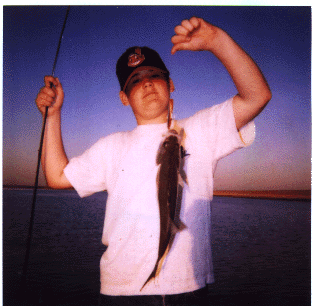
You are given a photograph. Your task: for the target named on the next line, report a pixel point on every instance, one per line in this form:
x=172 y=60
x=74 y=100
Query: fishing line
x=32 y=214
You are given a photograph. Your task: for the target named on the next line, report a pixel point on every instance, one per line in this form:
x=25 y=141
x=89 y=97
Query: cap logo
x=135 y=58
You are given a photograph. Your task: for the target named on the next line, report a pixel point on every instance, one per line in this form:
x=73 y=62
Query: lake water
x=261 y=250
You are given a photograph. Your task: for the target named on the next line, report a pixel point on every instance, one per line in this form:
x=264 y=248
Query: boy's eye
x=137 y=79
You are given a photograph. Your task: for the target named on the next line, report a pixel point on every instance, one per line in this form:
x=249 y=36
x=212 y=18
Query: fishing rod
x=32 y=214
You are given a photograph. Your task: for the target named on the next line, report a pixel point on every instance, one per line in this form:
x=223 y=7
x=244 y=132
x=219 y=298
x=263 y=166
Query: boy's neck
x=150 y=122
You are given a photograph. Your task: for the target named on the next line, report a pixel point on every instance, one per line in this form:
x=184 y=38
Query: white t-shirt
x=124 y=164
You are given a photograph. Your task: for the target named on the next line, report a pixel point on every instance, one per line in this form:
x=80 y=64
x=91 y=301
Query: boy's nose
x=147 y=82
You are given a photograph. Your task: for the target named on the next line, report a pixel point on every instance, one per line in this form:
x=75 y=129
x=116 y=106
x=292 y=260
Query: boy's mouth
x=149 y=93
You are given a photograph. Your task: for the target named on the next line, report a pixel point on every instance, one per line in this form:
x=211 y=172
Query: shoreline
x=291 y=195
x=17 y=187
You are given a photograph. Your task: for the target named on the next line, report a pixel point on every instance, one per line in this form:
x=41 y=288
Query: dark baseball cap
x=137 y=58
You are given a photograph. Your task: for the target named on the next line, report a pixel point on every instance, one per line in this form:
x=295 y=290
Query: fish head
x=169 y=147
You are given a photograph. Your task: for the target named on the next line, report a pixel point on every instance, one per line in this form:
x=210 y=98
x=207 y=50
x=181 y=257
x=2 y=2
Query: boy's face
x=148 y=94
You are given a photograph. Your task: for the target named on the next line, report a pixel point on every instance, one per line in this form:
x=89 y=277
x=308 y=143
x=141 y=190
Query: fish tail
x=157 y=268
x=152 y=275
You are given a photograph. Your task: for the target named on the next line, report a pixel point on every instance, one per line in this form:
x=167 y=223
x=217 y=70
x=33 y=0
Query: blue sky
x=277 y=38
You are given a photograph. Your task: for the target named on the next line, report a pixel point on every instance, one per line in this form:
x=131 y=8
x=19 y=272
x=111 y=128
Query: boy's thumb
x=178 y=47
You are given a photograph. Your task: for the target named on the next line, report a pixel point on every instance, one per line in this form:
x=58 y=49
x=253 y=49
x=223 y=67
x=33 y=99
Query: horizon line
x=278 y=194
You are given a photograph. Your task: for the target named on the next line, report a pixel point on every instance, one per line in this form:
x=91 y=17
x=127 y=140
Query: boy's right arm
x=54 y=159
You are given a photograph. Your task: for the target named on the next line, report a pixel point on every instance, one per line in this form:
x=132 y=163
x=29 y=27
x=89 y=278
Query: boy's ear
x=171 y=85
x=124 y=99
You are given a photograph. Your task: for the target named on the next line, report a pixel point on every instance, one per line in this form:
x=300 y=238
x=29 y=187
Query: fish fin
x=181 y=226
x=182 y=178
x=177 y=227
x=174 y=228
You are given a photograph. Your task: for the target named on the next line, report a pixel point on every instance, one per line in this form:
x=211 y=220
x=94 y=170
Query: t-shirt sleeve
x=87 y=172
x=217 y=133
x=228 y=138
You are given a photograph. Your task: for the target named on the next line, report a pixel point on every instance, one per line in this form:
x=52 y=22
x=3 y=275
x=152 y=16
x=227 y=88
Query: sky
x=277 y=38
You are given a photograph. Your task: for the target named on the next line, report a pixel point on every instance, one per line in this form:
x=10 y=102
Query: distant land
x=301 y=195
x=30 y=187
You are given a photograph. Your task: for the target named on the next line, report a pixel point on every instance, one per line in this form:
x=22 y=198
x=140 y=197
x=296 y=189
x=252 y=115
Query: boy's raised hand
x=50 y=96
x=194 y=34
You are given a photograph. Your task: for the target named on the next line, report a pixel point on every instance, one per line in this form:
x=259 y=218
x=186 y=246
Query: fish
x=169 y=161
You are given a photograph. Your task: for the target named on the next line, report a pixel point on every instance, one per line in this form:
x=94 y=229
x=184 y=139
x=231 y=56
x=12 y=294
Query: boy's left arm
x=253 y=91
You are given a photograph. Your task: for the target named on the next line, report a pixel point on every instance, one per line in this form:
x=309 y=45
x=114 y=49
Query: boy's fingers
x=178 y=47
x=180 y=42
x=179 y=30
x=173 y=50
x=48 y=91
x=51 y=97
x=179 y=39
x=58 y=84
x=195 y=21
x=187 y=25
x=42 y=103
x=48 y=80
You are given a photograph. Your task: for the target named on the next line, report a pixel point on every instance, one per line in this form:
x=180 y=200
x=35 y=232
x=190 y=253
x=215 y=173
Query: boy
x=124 y=164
